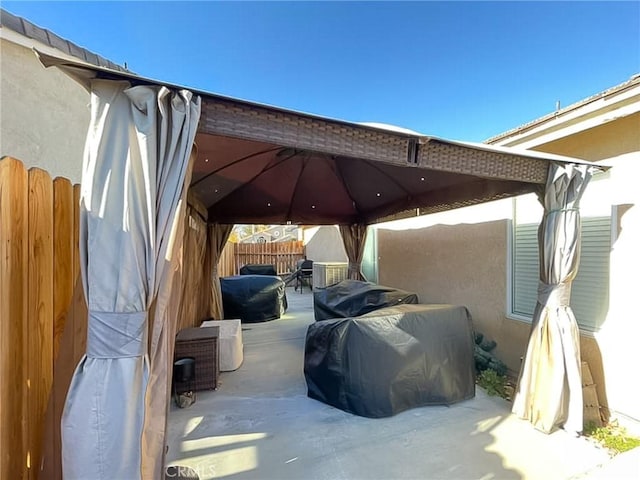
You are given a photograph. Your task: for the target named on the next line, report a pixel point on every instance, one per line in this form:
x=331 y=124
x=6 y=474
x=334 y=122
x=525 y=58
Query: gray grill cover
x=261 y=269
x=352 y=298
x=392 y=360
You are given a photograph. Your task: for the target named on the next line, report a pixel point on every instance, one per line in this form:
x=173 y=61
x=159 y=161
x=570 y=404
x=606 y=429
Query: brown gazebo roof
x=262 y=164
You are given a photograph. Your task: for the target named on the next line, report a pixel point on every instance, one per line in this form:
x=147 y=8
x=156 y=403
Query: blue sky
x=460 y=70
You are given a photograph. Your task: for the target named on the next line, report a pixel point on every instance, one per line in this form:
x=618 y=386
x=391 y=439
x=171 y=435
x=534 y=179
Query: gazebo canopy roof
x=262 y=164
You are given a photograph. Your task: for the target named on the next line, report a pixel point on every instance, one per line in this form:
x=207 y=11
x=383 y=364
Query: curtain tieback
x=354 y=267
x=116 y=334
x=554 y=295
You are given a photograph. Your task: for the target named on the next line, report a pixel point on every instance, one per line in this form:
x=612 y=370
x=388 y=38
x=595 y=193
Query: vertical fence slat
x=63 y=274
x=13 y=309
x=38 y=327
x=63 y=282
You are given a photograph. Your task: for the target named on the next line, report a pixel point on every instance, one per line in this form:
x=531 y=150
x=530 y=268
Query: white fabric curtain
x=353 y=238
x=134 y=174
x=549 y=391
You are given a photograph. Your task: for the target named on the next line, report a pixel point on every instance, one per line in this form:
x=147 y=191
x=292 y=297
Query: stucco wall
x=324 y=244
x=607 y=141
x=462 y=264
x=43 y=114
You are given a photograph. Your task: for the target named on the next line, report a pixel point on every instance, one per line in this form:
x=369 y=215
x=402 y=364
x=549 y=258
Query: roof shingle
x=26 y=28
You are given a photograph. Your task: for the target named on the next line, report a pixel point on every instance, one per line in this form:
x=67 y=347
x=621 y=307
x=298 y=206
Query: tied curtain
x=134 y=180
x=549 y=393
x=353 y=238
x=217 y=236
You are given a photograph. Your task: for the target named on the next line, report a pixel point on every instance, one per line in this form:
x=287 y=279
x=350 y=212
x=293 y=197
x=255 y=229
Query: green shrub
x=612 y=437
x=493 y=383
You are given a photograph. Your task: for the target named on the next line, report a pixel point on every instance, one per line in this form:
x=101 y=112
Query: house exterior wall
x=44 y=114
x=324 y=244
x=446 y=263
x=462 y=256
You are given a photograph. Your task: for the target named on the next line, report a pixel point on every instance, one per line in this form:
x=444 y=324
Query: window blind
x=590 y=289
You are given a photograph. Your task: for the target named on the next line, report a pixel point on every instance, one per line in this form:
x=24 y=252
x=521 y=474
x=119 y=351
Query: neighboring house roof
x=26 y=28
x=633 y=82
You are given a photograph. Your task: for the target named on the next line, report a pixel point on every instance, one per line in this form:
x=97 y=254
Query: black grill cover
x=258 y=269
x=352 y=298
x=253 y=298
x=391 y=360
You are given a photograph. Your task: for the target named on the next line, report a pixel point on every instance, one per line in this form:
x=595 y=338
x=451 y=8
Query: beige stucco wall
x=461 y=257
x=463 y=264
x=324 y=244
x=607 y=141
x=43 y=113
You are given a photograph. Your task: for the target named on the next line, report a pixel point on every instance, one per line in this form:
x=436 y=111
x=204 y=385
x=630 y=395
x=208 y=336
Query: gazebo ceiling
x=262 y=164
x=259 y=164
x=244 y=181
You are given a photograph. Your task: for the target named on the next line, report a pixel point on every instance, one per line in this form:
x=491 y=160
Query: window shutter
x=590 y=289
x=525 y=269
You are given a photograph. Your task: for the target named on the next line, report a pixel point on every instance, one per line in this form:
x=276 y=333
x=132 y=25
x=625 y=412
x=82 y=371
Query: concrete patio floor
x=260 y=424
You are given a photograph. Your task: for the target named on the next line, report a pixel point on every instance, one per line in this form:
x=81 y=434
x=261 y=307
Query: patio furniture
x=229 y=342
x=253 y=298
x=201 y=344
x=258 y=269
x=304 y=274
x=391 y=360
x=352 y=298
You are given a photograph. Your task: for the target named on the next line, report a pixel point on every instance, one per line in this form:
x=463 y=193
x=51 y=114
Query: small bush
x=613 y=437
x=493 y=383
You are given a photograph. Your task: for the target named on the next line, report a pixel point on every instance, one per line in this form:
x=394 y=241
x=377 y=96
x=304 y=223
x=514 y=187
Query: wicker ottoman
x=201 y=344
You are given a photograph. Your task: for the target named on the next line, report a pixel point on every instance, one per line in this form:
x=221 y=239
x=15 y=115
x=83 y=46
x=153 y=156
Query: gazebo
x=157 y=151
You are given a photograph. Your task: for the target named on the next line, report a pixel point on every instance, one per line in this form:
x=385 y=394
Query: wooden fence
x=282 y=255
x=40 y=296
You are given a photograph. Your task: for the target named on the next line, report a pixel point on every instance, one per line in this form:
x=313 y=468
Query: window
x=590 y=289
